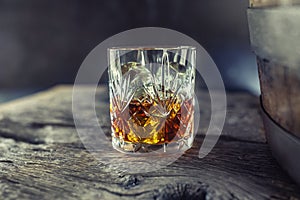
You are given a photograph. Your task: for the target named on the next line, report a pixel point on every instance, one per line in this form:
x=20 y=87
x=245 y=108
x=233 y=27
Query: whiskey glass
x=151 y=92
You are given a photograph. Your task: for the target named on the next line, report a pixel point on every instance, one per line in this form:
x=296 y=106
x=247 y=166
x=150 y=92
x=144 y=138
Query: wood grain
x=43 y=158
x=280 y=88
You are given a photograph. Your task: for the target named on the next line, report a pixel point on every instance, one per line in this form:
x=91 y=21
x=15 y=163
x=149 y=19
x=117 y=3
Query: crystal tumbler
x=151 y=93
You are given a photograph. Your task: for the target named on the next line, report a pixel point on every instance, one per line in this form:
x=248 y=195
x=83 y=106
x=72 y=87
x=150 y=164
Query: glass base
x=179 y=146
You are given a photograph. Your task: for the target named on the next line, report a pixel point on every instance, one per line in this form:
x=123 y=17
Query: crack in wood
x=180 y=191
x=6 y=161
x=120 y=194
x=130 y=181
x=9 y=180
x=43 y=125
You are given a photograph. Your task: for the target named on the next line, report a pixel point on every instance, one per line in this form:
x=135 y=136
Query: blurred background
x=43 y=42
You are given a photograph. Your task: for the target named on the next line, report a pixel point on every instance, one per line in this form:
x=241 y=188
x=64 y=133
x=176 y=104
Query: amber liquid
x=148 y=121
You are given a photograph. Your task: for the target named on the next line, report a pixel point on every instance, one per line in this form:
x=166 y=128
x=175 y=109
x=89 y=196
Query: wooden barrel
x=274 y=35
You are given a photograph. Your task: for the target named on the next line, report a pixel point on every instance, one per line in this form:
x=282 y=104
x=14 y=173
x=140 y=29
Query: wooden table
x=42 y=156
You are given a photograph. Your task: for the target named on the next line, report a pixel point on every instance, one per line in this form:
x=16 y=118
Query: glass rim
x=153 y=47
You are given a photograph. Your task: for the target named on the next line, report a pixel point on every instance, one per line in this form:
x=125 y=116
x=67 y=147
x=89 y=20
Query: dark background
x=43 y=42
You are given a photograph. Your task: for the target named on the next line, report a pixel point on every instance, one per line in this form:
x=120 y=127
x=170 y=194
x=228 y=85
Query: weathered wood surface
x=280 y=88
x=43 y=158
